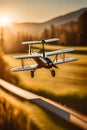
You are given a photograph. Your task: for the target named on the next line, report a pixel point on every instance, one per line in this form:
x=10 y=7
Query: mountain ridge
x=36 y=28
x=72 y=15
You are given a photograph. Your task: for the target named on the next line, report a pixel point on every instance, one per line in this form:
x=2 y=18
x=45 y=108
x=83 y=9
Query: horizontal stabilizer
x=31 y=67
x=60 y=61
x=59 y=52
x=26 y=56
x=42 y=41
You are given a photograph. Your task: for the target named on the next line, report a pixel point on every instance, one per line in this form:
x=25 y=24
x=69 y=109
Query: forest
x=70 y=34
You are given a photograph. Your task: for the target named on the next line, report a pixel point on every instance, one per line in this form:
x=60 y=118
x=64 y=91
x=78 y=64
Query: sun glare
x=4 y=21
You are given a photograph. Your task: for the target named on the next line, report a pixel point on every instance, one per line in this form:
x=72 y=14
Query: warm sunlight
x=4 y=21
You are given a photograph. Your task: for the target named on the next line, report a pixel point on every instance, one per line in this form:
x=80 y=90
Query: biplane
x=42 y=60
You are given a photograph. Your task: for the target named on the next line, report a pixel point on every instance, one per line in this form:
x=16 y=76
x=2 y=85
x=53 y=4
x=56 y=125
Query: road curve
x=57 y=109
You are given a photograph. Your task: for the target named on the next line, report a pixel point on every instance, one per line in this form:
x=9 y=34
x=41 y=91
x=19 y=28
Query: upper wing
x=64 y=60
x=59 y=52
x=25 y=68
x=27 y=56
x=31 y=42
x=39 y=42
x=51 y=40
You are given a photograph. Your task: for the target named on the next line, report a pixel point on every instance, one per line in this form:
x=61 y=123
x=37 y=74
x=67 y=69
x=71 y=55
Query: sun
x=4 y=21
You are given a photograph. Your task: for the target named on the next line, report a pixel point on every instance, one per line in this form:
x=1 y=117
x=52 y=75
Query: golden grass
x=71 y=78
x=18 y=115
x=14 y=117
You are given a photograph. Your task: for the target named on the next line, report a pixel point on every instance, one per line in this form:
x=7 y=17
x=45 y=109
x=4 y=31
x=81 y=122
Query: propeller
x=51 y=64
x=54 y=66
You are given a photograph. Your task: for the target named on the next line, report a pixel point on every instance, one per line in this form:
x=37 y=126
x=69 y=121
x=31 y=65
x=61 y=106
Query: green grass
x=68 y=87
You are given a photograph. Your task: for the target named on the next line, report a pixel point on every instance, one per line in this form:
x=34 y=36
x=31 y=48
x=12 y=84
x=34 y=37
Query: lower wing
x=31 y=67
x=59 y=52
x=60 y=61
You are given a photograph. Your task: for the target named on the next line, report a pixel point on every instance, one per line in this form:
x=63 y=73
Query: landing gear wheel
x=32 y=73
x=53 y=73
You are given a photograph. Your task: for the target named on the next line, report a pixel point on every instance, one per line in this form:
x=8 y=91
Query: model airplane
x=42 y=60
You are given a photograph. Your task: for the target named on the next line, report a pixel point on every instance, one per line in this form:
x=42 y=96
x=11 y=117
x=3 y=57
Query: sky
x=38 y=10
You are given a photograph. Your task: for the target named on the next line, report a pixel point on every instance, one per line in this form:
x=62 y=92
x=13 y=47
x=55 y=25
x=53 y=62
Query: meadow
x=13 y=116
x=18 y=114
x=69 y=87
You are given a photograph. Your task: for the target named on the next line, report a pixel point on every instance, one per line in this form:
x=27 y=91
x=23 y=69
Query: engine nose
x=50 y=64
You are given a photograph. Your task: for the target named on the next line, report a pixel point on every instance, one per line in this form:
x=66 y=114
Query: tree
x=82 y=27
x=52 y=31
x=45 y=34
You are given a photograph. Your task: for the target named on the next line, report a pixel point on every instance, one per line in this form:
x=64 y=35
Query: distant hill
x=36 y=28
x=33 y=31
x=72 y=16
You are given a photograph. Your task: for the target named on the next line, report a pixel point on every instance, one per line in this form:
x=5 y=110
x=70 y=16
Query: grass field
x=13 y=116
x=68 y=87
x=22 y=115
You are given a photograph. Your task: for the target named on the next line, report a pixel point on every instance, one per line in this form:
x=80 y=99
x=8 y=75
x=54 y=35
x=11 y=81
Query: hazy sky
x=38 y=10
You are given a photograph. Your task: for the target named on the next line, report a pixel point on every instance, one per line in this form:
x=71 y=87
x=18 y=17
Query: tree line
x=70 y=34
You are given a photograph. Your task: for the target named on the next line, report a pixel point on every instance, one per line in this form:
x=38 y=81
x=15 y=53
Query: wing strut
x=43 y=41
x=55 y=58
x=63 y=56
x=22 y=63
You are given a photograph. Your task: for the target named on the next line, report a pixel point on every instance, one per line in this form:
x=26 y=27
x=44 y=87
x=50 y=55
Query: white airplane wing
x=40 y=42
x=51 y=40
x=60 y=61
x=27 y=56
x=31 y=42
x=25 y=68
x=59 y=52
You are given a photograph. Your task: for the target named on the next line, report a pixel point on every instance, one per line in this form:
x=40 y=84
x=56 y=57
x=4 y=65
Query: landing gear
x=53 y=73
x=32 y=73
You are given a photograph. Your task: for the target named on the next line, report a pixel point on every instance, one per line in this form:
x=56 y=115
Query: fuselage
x=43 y=62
